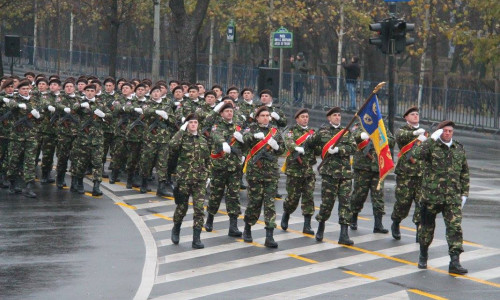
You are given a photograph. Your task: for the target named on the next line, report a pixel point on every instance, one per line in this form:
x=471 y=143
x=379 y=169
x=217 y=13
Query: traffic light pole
x=391 y=70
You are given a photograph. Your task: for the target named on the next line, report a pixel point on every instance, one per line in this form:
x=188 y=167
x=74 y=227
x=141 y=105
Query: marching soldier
x=335 y=171
x=445 y=188
x=247 y=106
x=108 y=97
x=300 y=177
x=7 y=93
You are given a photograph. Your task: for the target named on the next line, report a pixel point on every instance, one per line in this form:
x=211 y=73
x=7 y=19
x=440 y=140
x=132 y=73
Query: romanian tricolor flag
x=373 y=124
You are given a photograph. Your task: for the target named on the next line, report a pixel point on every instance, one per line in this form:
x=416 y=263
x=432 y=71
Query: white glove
x=238 y=136
x=177 y=103
x=21 y=106
x=422 y=138
x=275 y=116
x=259 y=135
x=99 y=113
x=272 y=142
x=162 y=114
x=436 y=134
x=300 y=150
x=226 y=148
x=6 y=100
x=334 y=150
x=51 y=108
x=35 y=113
x=364 y=136
x=184 y=126
x=464 y=199
x=183 y=119
x=208 y=183
x=85 y=105
x=251 y=115
x=419 y=131
x=219 y=106
x=243 y=159
x=67 y=110
x=244 y=117
x=138 y=110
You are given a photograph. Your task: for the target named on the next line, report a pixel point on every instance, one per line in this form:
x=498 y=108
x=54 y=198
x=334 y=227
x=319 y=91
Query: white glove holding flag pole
x=99 y=113
x=238 y=136
x=219 y=106
x=464 y=199
x=85 y=105
x=184 y=126
x=272 y=142
x=138 y=110
x=243 y=159
x=422 y=138
x=226 y=148
x=275 y=116
x=244 y=117
x=300 y=150
x=364 y=136
x=67 y=110
x=35 y=113
x=162 y=114
x=436 y=134
x=6 y=100
x=259 y=135
x=334 y=150
x=51 y=108
x=419 y=131
x=21 y=106
x=208 y=183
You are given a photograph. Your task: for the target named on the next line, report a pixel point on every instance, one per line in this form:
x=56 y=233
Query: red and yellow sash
x=259 y=146
x=332 y=141
x=363 y=144
x=298 y=142
x=231 y=143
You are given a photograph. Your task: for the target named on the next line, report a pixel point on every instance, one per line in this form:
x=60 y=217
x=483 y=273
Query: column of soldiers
x=210 y=140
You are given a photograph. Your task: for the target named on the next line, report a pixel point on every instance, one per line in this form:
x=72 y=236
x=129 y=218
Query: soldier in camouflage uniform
x=7 y=93
x=335 y=171
x=408 y=171
x=88 y=145
x=23 y=137
x=108 y=97
x=300 y=177
x=177 y=102
x=192 y=173
x=246 y=106
x=266 y=146
x=226 y=166
x=190 y=105
x=445 y=188
x=366 y=179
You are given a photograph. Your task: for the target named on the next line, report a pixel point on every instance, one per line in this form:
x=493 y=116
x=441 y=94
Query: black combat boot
x=197 y=244
x=136 y=181
x=284 y=221
x=321 y=230
x=46 y=177
x=104 y=174
x=28 y=190
x=12 y=187
x=144 y=185
x=209 y=225
x=396 y=234
x=96 y=191
x=307 y=225
x=176 y=230
x=60 y=180
x=18 y=189
x=354 y=222
x=130 y=180
x=74 y=184
x=80 y=188
x=455 y=266
x=114 y=176
x=247 y=233
x=233 y=226
x=270 y=243
x=162 y=189
x=379 y=227
x=344 y=236
x=422 y=258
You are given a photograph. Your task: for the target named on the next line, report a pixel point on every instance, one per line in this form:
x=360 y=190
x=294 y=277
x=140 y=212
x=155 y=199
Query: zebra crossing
x=375 y=267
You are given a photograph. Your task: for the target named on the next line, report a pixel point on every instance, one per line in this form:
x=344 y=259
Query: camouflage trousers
x=154 y=155
x=408 y=189
x=133 y=155
x=107 y=146
x=119 y=153
x=25 y=151
x=366 y=181
x=261 y=192
x=330 y=189
x=4 y=150
x=452 y=216
x=84 y=155
x=64 y=146
x=172 y=163
x=196 y=189
x=48 y=147
x=297 y=187
x=229 y=181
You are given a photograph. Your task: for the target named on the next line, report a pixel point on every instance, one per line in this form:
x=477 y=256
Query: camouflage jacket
x=223 y=132
x=245 y=109
x=108 y=100
x=24 y=127
x=263 y=166
x=136 y=126
x=157 y=129
x=67 y=123
x=188 y=106
x=5 y=115
x=308 y=159
x=44 y=100
x=121 y=116
x=91 y=127
x=407 y=164
x=194 y=157
x=366 y=158
x=281 y=123
x=338 y=165
x=445 y=171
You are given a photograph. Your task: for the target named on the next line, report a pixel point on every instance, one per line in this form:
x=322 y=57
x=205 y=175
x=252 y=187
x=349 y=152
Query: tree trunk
x=113 y=40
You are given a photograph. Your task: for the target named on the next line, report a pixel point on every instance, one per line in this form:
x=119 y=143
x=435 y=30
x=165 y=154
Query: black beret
x=109 y=79
x=266 y=91
x=260 y=110
x=227 y=98
x=333 y=110
x=127 y=84
x=216 y=86
x=7 y=83
x=191 y=116
x=139 y=85
x=193 y=87
x=89 y=86
x=66 y=82
x=445 y=123
x=84 y=80
x=29 y=74
x=210 y=93
x=177 y=88
x=55 y=80
x=301 y=111
x=156 y=87
x=232 y=88
x=245 y=90
x=23 y=83
x=226 y=106
x=410 y=110
x=41 y=79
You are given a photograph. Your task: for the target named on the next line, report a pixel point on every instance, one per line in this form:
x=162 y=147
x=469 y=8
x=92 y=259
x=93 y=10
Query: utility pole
x=391 y=71
x=155 y=68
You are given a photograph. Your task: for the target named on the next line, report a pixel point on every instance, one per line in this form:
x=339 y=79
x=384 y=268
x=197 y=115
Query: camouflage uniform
x=48 y=132
x=246 y=109
x=5 y=128
x=188 y=106
x=108 y=99
x=119 y=151
x=134 y=134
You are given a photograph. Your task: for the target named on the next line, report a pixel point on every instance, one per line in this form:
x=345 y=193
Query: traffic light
x=399 y=28
x=382 y=40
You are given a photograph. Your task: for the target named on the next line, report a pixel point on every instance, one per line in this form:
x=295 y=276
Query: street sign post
x=231 y=32
x=282 y=38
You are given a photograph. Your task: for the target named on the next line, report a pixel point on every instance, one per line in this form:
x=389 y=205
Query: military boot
x=144 y=185
x=197 y=244
x=46 y=177
x=422 y=258
x=80 y=188
x=3 y=183
x=114 y=176
x=379 y=227
x=247 y=233
x=18 y=189
x=284 y=221
x=344 y=236
x=130 y=180
x=209 y=225
x=396 y=234
x=28 y=190
x=162 y=189
x=96 y=191
x=270 y=243
x=60 y=180
x=354 y=222
x=104 y=174
x=176 y=230
x=455 y=266
x=74 y=184
x=307 y=225
x=12 y=187
x=321 y=230
x=233 y=226
x=136 y=181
